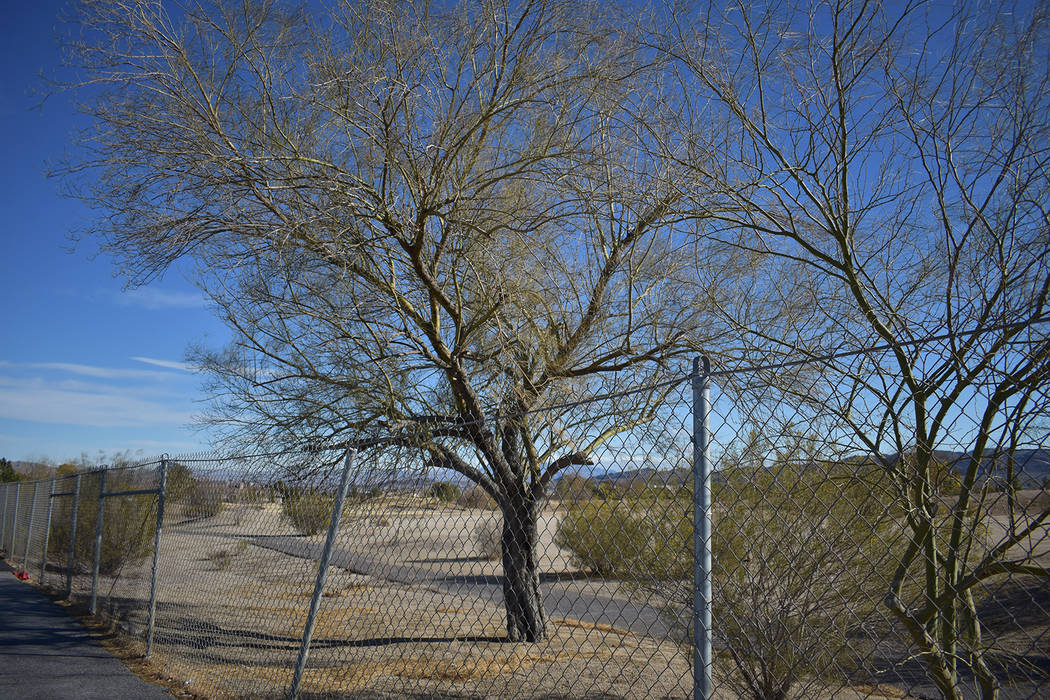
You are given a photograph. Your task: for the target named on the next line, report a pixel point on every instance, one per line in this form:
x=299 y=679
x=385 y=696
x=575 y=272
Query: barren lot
x=413 y=606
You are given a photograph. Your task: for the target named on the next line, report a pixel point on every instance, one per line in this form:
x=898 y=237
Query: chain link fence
x=809 y=530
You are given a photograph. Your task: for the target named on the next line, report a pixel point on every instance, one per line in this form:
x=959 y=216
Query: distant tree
x=575 y=487
x=66 y=468
x=444 y=491
x=7 y=472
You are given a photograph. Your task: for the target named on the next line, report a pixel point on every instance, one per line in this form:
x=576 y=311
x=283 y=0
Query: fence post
x=156 y=555
x=29 y=527
x=3 y=519
x=73 y=537
x=93 y=607
x=702 y=661
x=322 y=574
x=47 y=529
x=14 y=521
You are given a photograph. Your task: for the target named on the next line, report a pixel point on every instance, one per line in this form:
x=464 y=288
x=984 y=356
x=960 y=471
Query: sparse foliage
x=885 y=165
x=487 y=538
x=445 y=491
x=128 y=525
x=800 y=556
x=424 y=220
x=203 y=500
x=309 y=511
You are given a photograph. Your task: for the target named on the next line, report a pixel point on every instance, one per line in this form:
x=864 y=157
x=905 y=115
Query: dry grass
x=235 y=632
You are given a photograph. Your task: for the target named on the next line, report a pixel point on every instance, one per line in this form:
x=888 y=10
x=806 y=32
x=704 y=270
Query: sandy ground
x=412 y=608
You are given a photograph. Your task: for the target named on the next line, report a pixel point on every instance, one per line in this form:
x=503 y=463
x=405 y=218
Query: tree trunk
x=526 y=620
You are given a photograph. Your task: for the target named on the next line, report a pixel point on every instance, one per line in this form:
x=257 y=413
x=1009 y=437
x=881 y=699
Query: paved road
x=47 y=655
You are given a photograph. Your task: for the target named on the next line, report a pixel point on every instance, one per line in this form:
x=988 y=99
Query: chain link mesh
x=867 y=542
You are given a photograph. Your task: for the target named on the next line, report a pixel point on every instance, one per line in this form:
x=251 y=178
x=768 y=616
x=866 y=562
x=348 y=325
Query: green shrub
x=444 y=491
x=128 y=526
x=800 y=561
x=180 y=482
x=575 y=487
x=628 y=538
x=309 y=512
x=204 y=500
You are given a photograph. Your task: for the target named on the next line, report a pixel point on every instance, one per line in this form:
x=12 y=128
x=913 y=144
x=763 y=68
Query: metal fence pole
x=322 y=574
x=47 y=529
x=29 y=527
x=3 y=518
x=156 y=556
x=93 y=607
x=702 y=661
x=14 y=521
x=73 y=537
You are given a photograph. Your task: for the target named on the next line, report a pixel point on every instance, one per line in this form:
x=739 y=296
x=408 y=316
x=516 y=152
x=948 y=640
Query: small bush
x=444 y=491
x=251 y=494
x=221 y=559
x=625 y=539
x=488 y=538
x=799 y=554
x=476 y=497
x=203 y=501
x=128 y=526
x=575 y=487
x=180 y=483
x=309 y=512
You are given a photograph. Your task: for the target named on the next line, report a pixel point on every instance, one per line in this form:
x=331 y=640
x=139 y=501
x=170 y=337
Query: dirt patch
x=424 y=618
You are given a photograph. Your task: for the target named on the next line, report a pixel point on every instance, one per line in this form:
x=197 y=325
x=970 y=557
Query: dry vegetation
x=233 y=606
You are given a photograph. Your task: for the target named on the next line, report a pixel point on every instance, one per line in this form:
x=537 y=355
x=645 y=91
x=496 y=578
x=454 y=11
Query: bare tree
x=422 y=225
x=891 y=163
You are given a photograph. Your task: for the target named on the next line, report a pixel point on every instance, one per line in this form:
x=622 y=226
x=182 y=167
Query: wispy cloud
x=93 y=371
x=102 y=406
x=155 y=299
x=169 y=364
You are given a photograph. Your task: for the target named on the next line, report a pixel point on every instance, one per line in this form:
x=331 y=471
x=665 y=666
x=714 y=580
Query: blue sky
x=85 y=366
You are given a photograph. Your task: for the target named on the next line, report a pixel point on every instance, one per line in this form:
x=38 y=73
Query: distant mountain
x=645 y=475
x=32 y=470
x=1031 y=466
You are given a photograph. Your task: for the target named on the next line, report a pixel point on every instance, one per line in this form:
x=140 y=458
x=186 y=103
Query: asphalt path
x=561 y=598
x=47 y=655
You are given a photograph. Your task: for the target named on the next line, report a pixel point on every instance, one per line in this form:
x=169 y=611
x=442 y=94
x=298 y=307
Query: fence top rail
x=133 y=492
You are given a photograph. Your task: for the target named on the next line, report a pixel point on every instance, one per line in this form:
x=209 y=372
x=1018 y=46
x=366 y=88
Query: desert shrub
x=251 y=494
x=799 y=564
x=476 y=497
x=574 y=487
x=624 y=538
x=204 y=500
x=444 y=491
x=128 y=526
x=488 y=538
x=222 y=559
x=180 y=481
x=309 y=512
